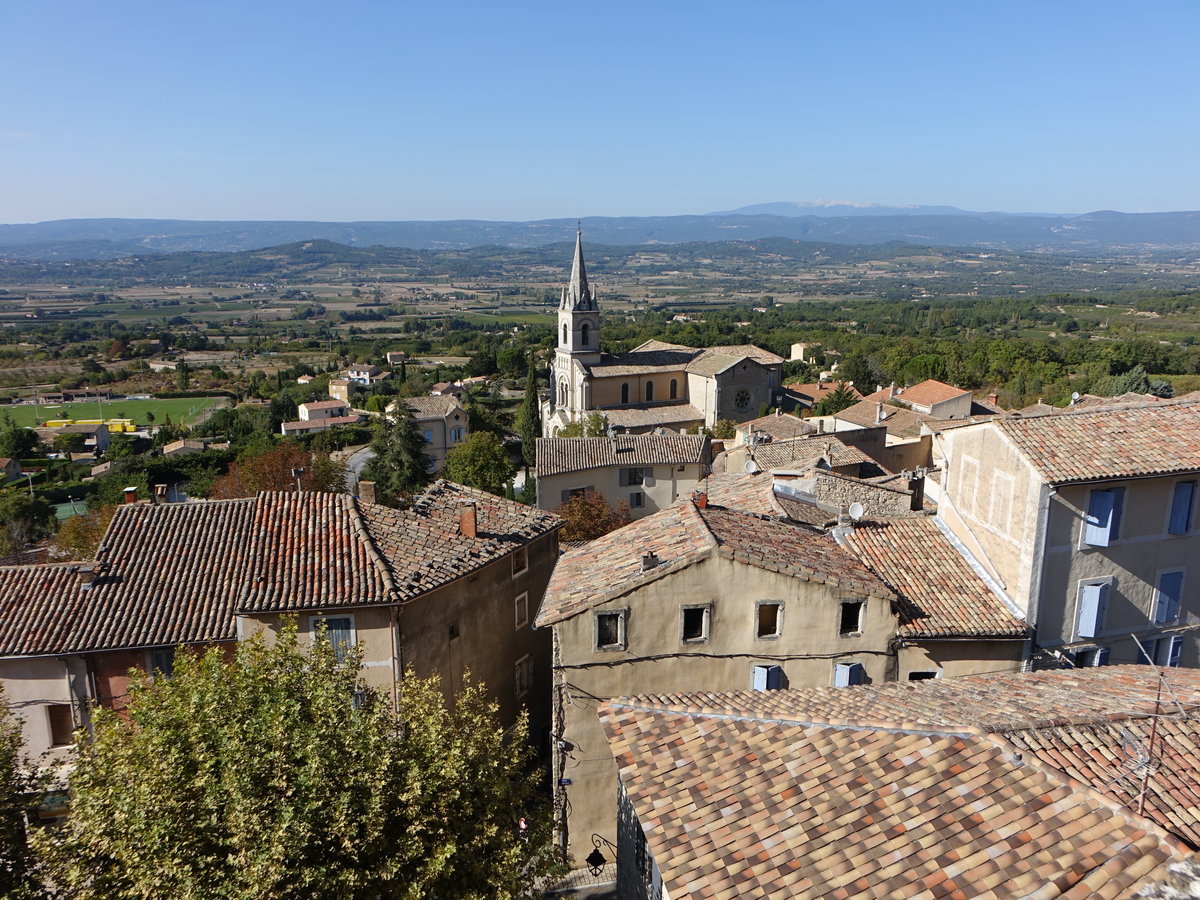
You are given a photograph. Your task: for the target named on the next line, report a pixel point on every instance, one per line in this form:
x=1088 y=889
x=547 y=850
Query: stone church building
x=656 y=385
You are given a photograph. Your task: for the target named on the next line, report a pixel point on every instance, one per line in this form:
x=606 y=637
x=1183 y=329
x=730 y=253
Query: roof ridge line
x=360 y=527
x=949 y=730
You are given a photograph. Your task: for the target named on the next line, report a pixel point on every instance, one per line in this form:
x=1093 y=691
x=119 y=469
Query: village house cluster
x=921 y=647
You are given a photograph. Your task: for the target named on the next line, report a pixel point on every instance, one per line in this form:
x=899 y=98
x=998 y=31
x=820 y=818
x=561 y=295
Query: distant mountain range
x=1096 y=232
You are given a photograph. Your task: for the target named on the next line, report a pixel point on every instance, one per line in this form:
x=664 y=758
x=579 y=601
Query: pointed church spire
x=577 y=294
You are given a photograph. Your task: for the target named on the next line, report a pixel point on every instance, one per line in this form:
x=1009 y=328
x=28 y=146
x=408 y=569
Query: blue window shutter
x=1093 y=600
x=767 y=678
x=1175 y=651
x=1099 y=518
x=846 y=674
x=1170 y=590
x=1181 y=507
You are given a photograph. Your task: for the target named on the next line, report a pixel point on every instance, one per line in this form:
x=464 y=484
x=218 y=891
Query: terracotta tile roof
x=177 y=573
x=769 y=804
x=424 y=408
x=674 y=415
x=818 y=391
x=318 y=405
x=750 y=351
x=423 y=546
x=1089 y=445
x=329 y=422
x=758 y=494
x=929 y=392
x=940 y=594
x=802 y=452
x=902 y=423
x=999 y=702
x=781 y=426
x=558 y=455
x=683 y=534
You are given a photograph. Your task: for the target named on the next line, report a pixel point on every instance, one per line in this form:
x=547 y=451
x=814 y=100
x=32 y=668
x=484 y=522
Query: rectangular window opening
x=610 y=631
x=847 y=674
x=695 y=623
x=521 y=610
x=522 y=675
x=1168 y=598
x=62 y=723
x=850 y=617
x=921 y=676
x=768 y=620
x=162 y=661
x=339 y=631
x=637 y=500
x=520 y=561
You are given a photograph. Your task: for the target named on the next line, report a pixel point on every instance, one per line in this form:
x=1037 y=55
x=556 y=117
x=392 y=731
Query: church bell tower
x=578 y=314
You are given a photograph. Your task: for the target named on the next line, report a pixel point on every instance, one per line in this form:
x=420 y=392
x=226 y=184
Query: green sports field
x=181 y=411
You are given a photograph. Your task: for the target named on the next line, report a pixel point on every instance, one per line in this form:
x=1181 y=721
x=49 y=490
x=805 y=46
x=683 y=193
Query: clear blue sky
x=524 y=110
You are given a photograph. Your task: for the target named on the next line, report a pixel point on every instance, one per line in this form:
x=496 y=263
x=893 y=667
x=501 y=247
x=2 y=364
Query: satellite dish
x=751 y=467
x=856 y=511
x=1074 y=395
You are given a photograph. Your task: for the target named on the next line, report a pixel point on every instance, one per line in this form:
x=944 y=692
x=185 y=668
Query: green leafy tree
x=17 y=442
x=723 y=429
x=401 y=464
x=19 y=795
x=69 y=442
x=592 y=425
x=22 y=519
x=183 y=375
x=588 y=516
x=841 y=397
x=529 y=418
x=316 y=788
x=481 y=462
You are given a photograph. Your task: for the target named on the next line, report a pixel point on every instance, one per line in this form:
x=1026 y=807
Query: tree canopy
x=401 y=464
x=588 y=516
x=280 y=774
x=480 y=462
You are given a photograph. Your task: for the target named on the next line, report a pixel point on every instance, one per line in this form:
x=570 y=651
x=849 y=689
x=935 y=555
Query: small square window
x=610 y=631
x=62 y=723
x=769 y=619
x=850 y=617
x=520 y=561
x=695 y=623
x=521 y=609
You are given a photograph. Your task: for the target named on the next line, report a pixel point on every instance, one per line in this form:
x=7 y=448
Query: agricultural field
x=181 y=411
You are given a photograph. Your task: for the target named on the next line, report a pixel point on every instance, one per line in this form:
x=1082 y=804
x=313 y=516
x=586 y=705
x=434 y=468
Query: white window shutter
x=1099 y=518
x=1170 y=590
x=1093 y=601
x=1175 y=651
x=767 y=678
x=846 y=674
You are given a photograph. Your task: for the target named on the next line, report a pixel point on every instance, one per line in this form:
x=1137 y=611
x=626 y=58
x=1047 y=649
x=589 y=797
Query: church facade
x=654 y=386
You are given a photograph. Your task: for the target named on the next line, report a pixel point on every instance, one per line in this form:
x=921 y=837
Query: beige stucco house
x=1087 y=521
x=648 y=471
x=445 y=587
x=701 y=597
x=441 y=420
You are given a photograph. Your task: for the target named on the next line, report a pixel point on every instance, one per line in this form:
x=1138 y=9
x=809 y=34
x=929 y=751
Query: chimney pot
x=649 y=561
x=700 y=498
x=468 y=524
x=160 y=493
x=131 y=495
x=366 y=491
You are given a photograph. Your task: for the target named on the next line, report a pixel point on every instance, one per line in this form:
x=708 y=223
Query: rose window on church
x=741 y=400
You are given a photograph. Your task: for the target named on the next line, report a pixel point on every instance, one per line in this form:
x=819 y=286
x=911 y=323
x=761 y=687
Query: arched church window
x=564 y=334
x=674 y=389
x=625 y=392
x=583 y=334
x=563 y=393
x=649 y=391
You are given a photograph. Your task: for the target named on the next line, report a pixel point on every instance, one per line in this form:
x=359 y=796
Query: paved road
x=355 y=459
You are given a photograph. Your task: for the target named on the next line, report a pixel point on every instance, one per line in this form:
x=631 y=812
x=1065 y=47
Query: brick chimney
x=468 y=523
x=916 y=485
x=366 y=491
x=131 y=494
x=700 y=498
